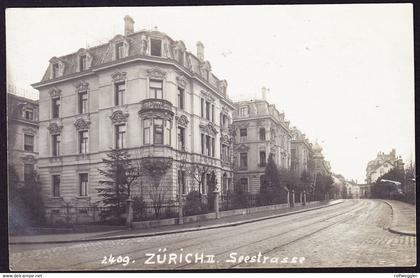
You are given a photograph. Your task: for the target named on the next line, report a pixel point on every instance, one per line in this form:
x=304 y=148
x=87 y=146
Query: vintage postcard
x=211 y=137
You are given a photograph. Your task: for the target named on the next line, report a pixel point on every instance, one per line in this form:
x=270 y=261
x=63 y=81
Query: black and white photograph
x=179 y=138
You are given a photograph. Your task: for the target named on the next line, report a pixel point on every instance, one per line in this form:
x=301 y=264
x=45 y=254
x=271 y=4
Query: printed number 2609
x=116 y=260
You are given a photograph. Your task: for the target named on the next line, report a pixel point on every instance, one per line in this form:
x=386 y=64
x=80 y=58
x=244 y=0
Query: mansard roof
x=103 y=54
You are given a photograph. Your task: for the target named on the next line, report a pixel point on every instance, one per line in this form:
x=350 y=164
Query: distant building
x=22 y=134
x=382 y=164
x=321 y=166
x=261 y=130
x=301 y=153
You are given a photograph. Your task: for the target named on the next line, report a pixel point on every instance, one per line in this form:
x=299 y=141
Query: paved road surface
x=353 y=233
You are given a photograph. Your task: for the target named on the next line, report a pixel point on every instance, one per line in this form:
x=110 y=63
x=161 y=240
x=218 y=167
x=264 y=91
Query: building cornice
x=130 y=59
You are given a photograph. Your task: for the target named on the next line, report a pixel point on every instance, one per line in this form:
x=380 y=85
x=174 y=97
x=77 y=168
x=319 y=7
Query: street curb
x=393 y=228
x=180 y=230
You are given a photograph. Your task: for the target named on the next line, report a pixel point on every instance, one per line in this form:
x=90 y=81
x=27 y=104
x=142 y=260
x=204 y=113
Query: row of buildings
x=146 y=93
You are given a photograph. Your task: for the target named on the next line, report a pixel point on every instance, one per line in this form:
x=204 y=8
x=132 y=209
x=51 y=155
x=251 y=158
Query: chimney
x=128 y=25
x=264 y=93
x=200 y=51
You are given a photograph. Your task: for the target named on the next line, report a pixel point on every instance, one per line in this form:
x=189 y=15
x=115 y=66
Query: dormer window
x=156 y=47
x=55 y=70
x=119 y=50
x=29 y=114
x=244 y=111
x=82 y=63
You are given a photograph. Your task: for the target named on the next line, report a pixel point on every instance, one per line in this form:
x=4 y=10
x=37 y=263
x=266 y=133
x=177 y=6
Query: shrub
x=194 y=204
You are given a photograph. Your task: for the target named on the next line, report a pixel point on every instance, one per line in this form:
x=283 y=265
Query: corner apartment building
x=142 y=91
x=261 y=130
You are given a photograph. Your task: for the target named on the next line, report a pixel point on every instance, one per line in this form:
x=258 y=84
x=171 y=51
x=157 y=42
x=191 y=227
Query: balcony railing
x=153 y=104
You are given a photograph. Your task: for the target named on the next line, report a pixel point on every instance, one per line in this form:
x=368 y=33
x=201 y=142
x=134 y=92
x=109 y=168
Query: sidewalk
x=403 y=218
x=195 y=226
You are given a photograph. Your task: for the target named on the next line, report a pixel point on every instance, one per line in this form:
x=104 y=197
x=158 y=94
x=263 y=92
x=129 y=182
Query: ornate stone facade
x=140 y=73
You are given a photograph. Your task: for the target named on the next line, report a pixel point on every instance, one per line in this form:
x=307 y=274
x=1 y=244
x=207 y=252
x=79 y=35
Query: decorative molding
x=188 y=62
x=61 y=66
x=119 y=117
x=54 y=128
x=225 y=139
x=118 y=39
x=207 y=96
x=82 y=124
x=82 y=86
x=29 y=131
x=232 y=130
x=181 y=80
x=156 y=73
x=143 y=45
x=242 y=147
x=119 y=76
x=182 y=120
x=89 y=58
x=28 y=159
x=222 y=86
x=55 y=92
x=225 y=110
x=209 y=128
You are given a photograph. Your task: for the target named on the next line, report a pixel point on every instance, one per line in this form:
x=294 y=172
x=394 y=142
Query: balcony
x=156 y=106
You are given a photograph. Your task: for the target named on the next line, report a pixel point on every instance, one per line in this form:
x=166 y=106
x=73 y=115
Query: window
x=83 y=102
x=207 y=110
x=202 y=108
x=168 y=127
x=146 y=131
x=225 y=152
x=82 y=63
x=56 y=107
x=243 y=111
x=181 y=182
x=27 y=171
x=243 y=163
x=262 y=158
x=119 y=50
x=157 y=131
x=262 y=134
x=55 y=69
x=181 y=138
x=156 y=89
x=208 y=150
x=83 y=184
x=223 y=120
x=155 y=47
x=202 y=144
x=28 y=142
x=119 y=136
x=212 y=113
x=119 y=93
x=243 y=184
x=212 y=146
x=56 y=185
x=83 y=141
x=180 y=98
x=56 y=138
x=29 y=114
x=243 y=133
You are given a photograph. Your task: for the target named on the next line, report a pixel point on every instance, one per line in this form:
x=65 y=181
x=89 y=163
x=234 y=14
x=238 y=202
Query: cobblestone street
x=351 y=234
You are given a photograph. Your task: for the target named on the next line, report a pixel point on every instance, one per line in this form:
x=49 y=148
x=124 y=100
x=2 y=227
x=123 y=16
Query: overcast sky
x=343 y=74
